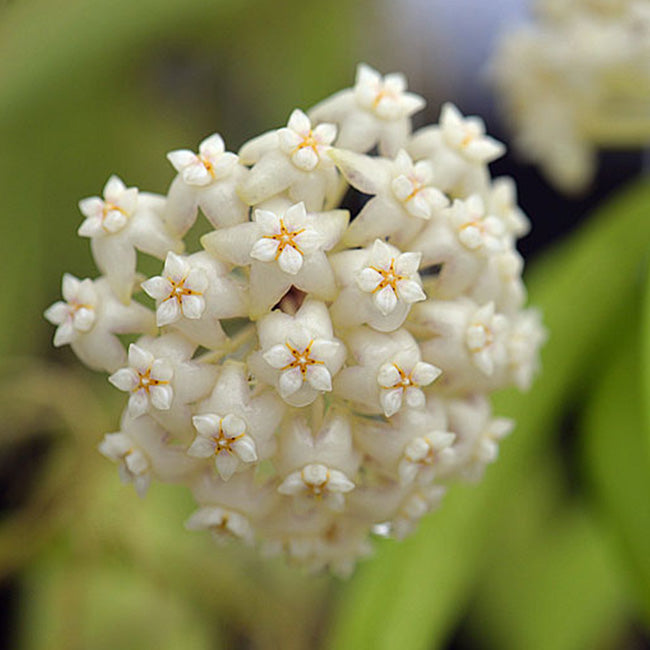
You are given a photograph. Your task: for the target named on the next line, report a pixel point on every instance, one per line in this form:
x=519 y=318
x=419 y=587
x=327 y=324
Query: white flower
x=390 y=372
x=306 y=146
x=376 y=111
x=466 y=135
x=299 y=354
x=89 y=319
x=318 y=482
x=404 y=196
x=484 y=338
x=223 y=437
x=77 y=314
x=475 y=229
x=212 y=163
x=391 y=279
x=421 y=455
x=286 y=239
x=401 y=382
x=178 y=291
x=224 y=524
x=133 y=463
x=110 y=214
x=147 y=379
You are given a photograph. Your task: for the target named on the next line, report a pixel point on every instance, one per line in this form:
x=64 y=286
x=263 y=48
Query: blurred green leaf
x=582 y=286
x=615 y=450
x=645 y=355
x=549 y=580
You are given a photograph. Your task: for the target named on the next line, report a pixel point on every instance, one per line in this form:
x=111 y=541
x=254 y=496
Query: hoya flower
x=376 y=111
x=232 y=427
x=207 y=180
x=389 y=374
x=147 y=379
x=404 y=197
x=163 y=379
x=192 y=294
x=379 y=286
x=282 y=249
x=120 y=224
x=312 y=377
x=458 y=150
x=299 y=355
x=88 y=319
x=291 y=160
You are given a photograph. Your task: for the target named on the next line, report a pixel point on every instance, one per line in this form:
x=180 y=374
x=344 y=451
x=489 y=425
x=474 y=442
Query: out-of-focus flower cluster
x=577 y=79
x=312 y=378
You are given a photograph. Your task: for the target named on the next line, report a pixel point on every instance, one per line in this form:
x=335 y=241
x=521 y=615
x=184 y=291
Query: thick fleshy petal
x=245 y=449
x=201 y=448
x=278 y=356
x=125 y=379
x=290 y=381
x=226 y=464
x=265 y=249
x=138 y=403
x=319 y=377
x=193 y=306
x=290 y=260
x=386 y=300
x=162 y=396
x=168 y=312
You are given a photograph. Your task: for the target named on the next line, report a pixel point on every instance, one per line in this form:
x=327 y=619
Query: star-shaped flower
x=233 y=427
x=118 y=225
x=299 y=354
x=207 y=180
x=318 y=482
x=90 y=316
x=376 y=111
x=291 y=161
x=404 y=197
x=390 y=372
x=193 y=293
x=283 y=249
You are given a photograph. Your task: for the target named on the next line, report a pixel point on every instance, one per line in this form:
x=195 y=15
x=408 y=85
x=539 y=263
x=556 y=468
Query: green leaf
x=411 y=598
x=616 y=457
x=549 y=580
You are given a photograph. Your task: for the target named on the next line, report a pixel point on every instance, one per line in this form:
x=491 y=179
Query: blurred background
x=552 y=550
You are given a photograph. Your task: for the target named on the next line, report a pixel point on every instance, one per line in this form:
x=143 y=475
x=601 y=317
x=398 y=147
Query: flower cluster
x=575 y=80
x=312 y=377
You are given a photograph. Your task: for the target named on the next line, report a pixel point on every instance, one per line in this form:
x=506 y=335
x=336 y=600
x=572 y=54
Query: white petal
x=233 y=425
x=425 y=373
x=290 y=260
x=207 y=424
x=157 y=287
x=391 y=401
x=162 y=370
x=83 y=319
x=196 y=174
x=64 y=334
x=410 y=291
x=305 y=158
x=169 y=311
x=290 y=381
x=57 y=313
x=268 y=221
x=125 y=379
x=292 y=484
x=299 y=122
x=69 y=287
x=278 y=356
x=193 y=306
x=91 y=227
x=162 y=396
x=138 y=403
x=226 y=464
x=388 y=375
x=381 y=254
x=196 y=280
x=319 y=377
x=245 y=449
x=139 y=358
x=325 y=133
x=91 y=207
x=201 y=448
x=386 y=300
x=113 y=189
x=265 y=249
x=415 y=397
x=175 y=267
x=339 y=482
x=408 y=263
x=368 y=279
x=182 y=158
x=213 y=146
x=324 y=350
